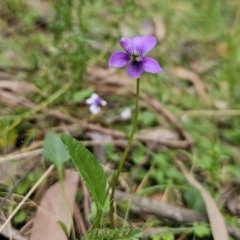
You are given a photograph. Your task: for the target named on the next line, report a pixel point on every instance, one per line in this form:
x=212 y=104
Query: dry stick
x=80 y=225
x=27 y=196
x=160 y=209
x=168 y=115
x=21 y=155
x=159 y=230
x=18 y=182
x=85 y=126
x=212 y=113
x=86 y=204
x=167 y=211
x=39 y=107
x=35 y=152
x=216 y=220
x=15 y=234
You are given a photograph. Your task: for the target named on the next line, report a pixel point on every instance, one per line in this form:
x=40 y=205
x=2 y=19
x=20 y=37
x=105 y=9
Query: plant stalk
x=123 y=158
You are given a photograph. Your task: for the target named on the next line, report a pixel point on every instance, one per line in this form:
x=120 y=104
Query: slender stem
x=119 y=169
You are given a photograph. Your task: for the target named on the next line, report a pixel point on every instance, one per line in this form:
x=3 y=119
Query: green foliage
x=28 y=182
x=54 y=149
x=111 y=155
x=163 y=236
x=164 y=170
x=20 y=217
x=63 y=17
x=94 y=211
x=138 y=173
x=194 y=200
x=7 y=138
x=89 y=168
x=139 y=155
x=146 y=118
x=82 y=95
x=63 y=227
x=113 y=234
x=201 y=229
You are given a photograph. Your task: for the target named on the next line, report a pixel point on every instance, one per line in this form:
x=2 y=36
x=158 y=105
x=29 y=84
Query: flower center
x=97 y=101
x=135 y=57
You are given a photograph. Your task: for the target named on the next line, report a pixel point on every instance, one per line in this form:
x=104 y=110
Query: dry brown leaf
x=97 y=72
x=159 y=133
x=160 y=30
x=230 y=198
x=202 y=67
x=218 y=227
x=18 y=86
x=12 y=233
x=43 y=8
x=183 y=73
x=99 y=150
x=119 y=80
x=154 y=135
x=6 y=76
x=53 y=209
x=15 y=100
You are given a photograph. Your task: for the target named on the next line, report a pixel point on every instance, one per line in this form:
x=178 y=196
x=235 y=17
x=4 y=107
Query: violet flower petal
x=127 y=44
x=92 y=99
x=150 y=65
x=118 y=59
x=143 y=44
x=134 y=69
x=94 y=109
x=103 y=102
x=89 y=101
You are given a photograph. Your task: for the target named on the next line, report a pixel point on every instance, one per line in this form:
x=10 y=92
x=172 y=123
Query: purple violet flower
x=134 y=57
x=95 y=102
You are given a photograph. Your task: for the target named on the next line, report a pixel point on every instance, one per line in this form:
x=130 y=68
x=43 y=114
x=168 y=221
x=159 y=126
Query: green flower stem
x=122 y=161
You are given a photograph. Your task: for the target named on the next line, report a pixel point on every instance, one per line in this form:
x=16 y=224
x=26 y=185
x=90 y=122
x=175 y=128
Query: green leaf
x=89 y=168
x=167 y=236
x=201 y=230
x=22 y=187
x=20 y=217
x=194 y=199
x=82 y=95
x=116 y=234
x=163 y=236
x=63 y=227
x=54 y=149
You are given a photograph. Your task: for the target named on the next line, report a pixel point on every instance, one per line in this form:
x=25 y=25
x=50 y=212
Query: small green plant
x=87 y=165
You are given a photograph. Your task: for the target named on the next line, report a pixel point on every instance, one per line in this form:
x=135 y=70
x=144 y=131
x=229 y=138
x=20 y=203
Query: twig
x=41 y=106
x=80 y=225
x=150 y=231
x=168 y=211
x=216 y=220
x=212 y=113
x=13 y=233
x=86 y=204
x=169 y=116
x=85 y=126
x=160 y=209
x=21 y=155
